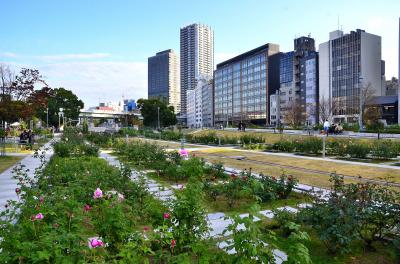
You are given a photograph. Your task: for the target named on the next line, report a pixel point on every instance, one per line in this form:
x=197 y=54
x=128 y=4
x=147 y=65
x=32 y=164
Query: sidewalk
x=8 y=184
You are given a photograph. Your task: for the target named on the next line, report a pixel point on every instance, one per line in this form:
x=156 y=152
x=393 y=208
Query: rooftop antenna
x=338 y=23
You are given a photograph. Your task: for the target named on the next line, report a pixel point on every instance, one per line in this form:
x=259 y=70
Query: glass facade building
x=241 y=87
x=286 y=67
x=163 y=78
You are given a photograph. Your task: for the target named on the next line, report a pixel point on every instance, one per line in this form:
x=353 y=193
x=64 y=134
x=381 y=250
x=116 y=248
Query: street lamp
x=360 y=121
x=47 y=117
x=60 y=114
x=158 y=117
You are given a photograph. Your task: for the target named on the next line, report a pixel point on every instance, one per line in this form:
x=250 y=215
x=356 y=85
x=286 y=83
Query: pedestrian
x=326 y=126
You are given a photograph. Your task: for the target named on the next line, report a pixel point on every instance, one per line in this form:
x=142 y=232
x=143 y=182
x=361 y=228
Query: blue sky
x=99 y=49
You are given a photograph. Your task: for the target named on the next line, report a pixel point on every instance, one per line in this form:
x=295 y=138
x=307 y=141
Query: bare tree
x=294 y=114
x=327 y=108
x=7 y=78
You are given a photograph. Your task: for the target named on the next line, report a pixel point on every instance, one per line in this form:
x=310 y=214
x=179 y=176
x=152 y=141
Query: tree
x=149 y=111
x=6 y=79
x=19 y=99
x=327 y=108
x=60 y=98
x=294 y=114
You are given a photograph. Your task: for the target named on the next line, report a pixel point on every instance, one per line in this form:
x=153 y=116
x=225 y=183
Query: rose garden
x=102 y=198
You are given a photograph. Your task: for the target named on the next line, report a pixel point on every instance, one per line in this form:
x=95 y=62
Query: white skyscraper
x=197 y=57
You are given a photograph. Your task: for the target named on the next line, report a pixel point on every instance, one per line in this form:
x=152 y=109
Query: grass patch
x=244 y=204
x=313 y=178
x=7 y=161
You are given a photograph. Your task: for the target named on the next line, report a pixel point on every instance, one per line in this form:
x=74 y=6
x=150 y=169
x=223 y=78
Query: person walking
x=326 y=127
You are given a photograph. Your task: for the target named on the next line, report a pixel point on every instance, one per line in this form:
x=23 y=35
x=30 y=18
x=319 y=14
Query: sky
x=99 y=49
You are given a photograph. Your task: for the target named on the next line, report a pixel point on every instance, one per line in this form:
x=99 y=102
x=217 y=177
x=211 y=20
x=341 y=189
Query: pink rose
x=39 y=216
x=17 y=190
x=86 y=208
x=94 y=243
x=98 y=193
x=166 y=215
x=183 y=152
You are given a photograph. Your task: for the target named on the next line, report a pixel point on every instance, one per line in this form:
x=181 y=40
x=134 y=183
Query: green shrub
x=284 y=145
x=312 y=145
x=62 y=149
x=251 y=139
x=384 y=149
x=358 y=150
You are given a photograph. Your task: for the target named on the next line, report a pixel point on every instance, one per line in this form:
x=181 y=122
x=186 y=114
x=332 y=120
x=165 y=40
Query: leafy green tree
x=19 y=99
x=149 y=109
x=61 y=98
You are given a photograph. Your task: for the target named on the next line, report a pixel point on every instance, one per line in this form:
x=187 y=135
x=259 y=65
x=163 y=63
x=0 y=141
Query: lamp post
x=60 y=114
x=158 y=117
x=360 y=120
x=47 y=117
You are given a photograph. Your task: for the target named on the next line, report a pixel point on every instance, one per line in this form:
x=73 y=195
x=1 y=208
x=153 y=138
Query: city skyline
x=103 y=59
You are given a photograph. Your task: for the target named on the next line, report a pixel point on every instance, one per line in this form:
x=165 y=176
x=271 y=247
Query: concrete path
x=8 y=184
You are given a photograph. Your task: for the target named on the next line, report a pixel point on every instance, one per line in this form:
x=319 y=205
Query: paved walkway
x=8 y=184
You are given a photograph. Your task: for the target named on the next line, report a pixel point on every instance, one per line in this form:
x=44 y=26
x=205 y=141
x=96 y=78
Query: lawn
x=243 y=205
x=8 y=161
x=312 y=178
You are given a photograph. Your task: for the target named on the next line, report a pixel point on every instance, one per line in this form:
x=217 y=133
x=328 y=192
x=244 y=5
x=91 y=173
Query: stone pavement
x=217 y=221
x=8 y=184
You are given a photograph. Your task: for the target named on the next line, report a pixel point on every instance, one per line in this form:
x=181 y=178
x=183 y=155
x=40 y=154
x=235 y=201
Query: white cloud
x=73 y=56
x=99 y=81
x=8 y=55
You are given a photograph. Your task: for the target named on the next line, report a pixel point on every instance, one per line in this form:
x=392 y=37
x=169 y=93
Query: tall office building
x=243 y=85
x=348 y=63
x=197 y=57
x=298 y=90
x=163 y=78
